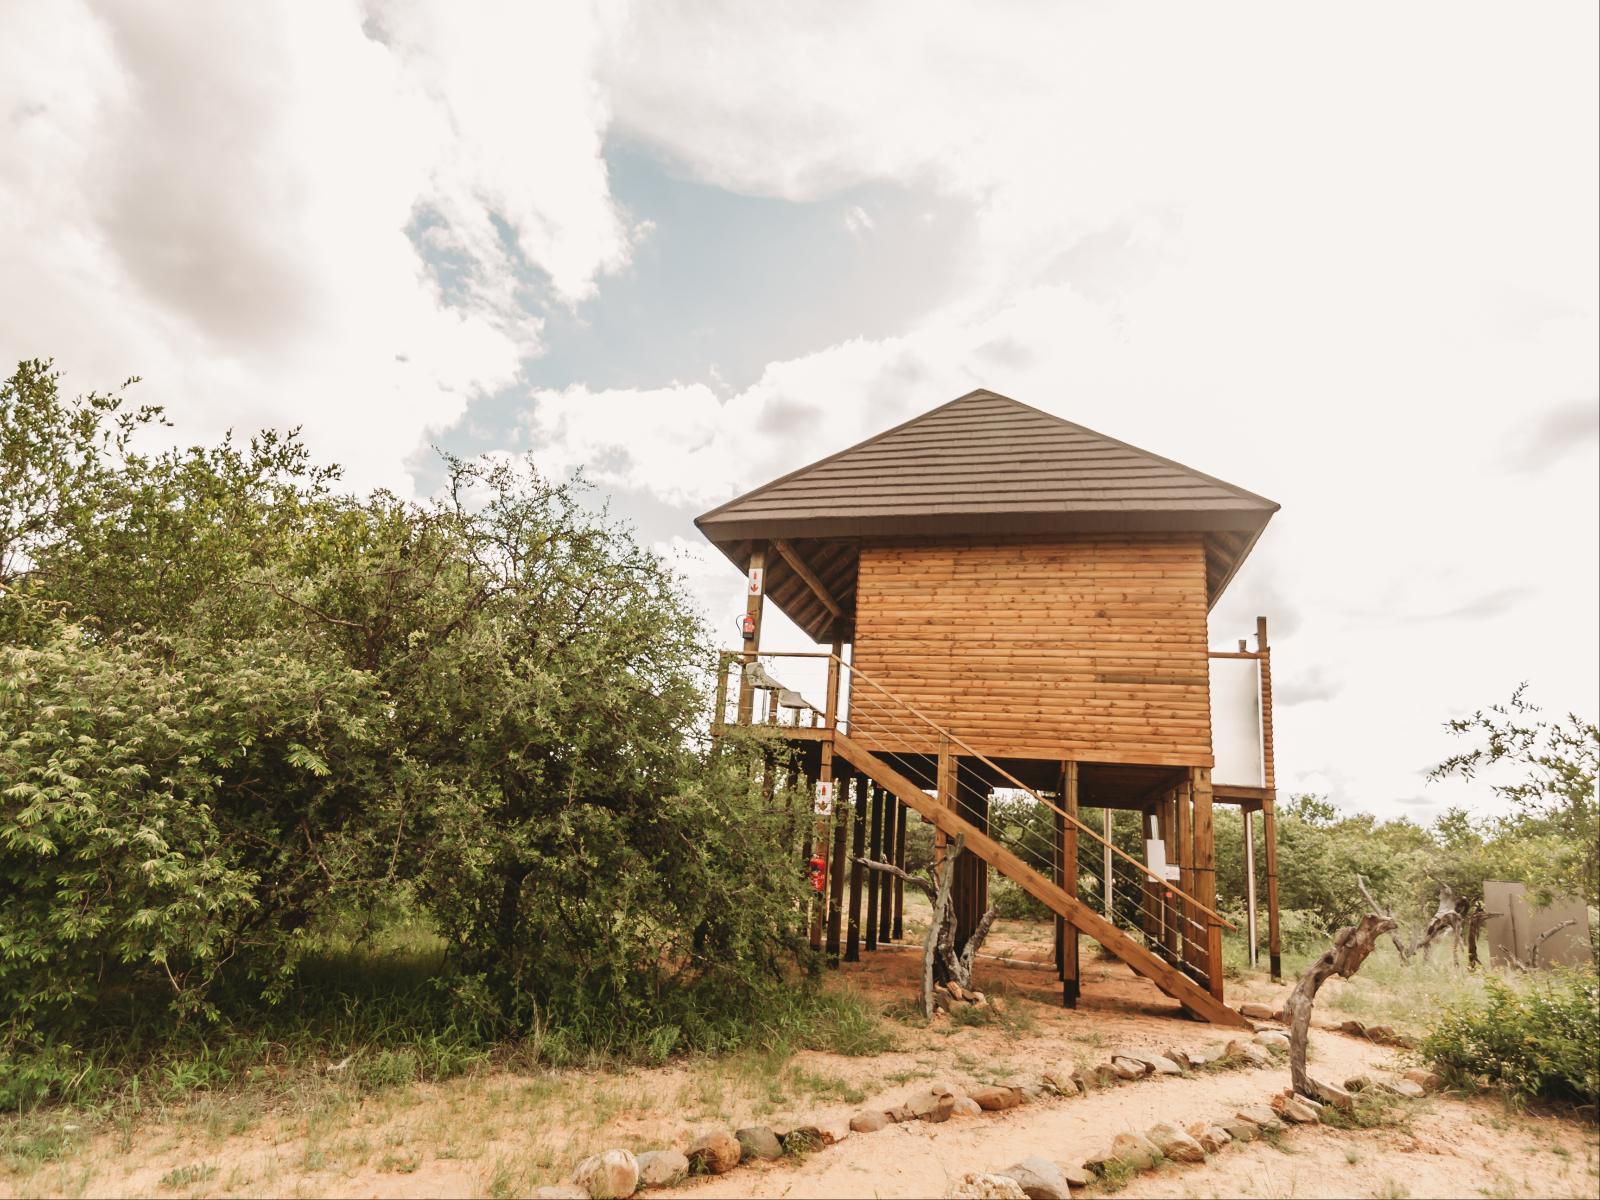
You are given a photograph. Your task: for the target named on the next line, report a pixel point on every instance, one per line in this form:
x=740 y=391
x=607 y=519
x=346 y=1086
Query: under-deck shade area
x=1025 y=604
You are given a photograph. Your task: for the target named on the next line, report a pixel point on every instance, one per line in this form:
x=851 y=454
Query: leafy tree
x=1554 y=801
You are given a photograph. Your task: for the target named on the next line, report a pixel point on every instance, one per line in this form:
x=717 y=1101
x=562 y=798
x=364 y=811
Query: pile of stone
x=952 y=994
x=938 y=1103
x=1046 y=1179
x=619 y=1173
x=1383 y=1035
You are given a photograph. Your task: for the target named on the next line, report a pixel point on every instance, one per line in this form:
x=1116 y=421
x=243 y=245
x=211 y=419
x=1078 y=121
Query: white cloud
x=1349 y=260
x=219 y=200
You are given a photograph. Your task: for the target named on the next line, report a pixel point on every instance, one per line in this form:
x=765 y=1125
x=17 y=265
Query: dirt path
x=503 y=1133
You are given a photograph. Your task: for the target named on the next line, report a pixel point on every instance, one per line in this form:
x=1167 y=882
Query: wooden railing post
x=755 y=594
x=719 y=711
x=831 y=714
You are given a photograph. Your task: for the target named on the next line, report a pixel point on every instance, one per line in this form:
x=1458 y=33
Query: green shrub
x=1015 y=904
x=1538 y=1042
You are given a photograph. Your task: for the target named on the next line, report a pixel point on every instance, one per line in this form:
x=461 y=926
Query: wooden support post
x=1151 y=909
x=1188 y=914
x=1070 y=975
x=886 y=888
x=899 y=884
x=841 y=787
x=1058 y=877
x=719 y=711
x=1247 y=817
x=874 y=852
x=945 y=785
x=1269 y=834
x=971 y=887
x=756 y=591
x=1205 y=874
x=858 y=847
x=1269 y=780
x=1170 y=911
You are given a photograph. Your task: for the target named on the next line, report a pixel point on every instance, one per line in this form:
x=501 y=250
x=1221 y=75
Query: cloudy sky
x=1343 y=256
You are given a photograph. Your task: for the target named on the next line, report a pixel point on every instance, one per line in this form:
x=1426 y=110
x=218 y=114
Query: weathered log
x=1351 y=946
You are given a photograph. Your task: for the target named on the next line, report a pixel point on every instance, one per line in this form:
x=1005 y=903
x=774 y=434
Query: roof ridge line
x=772 y=483
x=1171 y=462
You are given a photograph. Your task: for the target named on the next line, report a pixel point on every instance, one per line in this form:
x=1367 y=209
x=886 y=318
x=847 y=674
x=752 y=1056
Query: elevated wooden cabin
x=1025 y=602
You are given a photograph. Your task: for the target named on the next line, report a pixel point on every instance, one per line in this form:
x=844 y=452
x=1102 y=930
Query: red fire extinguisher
x=747 y=627
x=818 y=866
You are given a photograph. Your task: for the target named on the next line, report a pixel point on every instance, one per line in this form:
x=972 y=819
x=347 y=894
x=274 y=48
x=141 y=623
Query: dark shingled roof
x=981 y=466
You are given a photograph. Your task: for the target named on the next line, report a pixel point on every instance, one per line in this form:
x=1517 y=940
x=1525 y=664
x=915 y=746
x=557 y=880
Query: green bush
x=1015 y=904
x=244 y=716
x=1538 y=1042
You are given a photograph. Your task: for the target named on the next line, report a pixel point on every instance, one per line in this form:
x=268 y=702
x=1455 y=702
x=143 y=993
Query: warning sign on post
x=824 y=802
x=755 y=580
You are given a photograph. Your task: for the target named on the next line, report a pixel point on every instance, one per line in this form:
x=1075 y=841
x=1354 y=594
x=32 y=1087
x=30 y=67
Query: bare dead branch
x=1533 y=950
x=1394 y=935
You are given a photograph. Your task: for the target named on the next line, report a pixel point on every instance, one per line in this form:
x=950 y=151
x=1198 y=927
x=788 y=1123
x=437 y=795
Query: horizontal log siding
x=1091 y=649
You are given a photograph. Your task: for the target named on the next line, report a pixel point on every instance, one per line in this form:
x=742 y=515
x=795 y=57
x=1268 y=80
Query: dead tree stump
x=938 y=947
x=1351 y=946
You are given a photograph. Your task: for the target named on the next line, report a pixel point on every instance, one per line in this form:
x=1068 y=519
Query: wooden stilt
x=1058 y=875
x=899 y=861
x=858 y=845
x=874 y=852
x=836 y=868
x=1269 y=820
x=886 y=888
x=1175 y=946
x=1070 y=975
x=1269 y=834
x=1151 y=914
x=945 y=784
x=969 y=892
x=1205 y=874
x=1247 y=816
x=1191 y=943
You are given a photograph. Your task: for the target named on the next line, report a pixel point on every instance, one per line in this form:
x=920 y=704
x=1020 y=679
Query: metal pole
x=1250 y=882
x=1105 y=866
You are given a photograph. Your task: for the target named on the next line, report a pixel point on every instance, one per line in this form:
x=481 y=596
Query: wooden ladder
x=1174 y=982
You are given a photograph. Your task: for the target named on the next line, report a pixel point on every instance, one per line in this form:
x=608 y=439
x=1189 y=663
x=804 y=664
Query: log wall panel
x=1091 y=649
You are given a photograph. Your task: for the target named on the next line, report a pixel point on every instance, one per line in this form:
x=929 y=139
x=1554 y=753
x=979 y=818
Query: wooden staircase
x=1170 y=979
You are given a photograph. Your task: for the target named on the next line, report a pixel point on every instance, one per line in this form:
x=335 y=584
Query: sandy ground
x=502 y=1134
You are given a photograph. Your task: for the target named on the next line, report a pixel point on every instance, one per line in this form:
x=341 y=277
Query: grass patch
x=365 y=1020
x=180 y=1178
